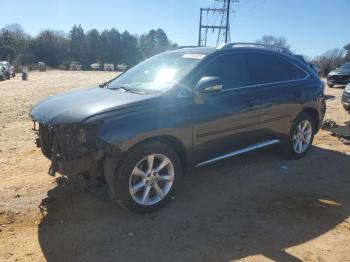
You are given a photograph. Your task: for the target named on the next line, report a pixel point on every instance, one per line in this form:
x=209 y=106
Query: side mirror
x=209 y=84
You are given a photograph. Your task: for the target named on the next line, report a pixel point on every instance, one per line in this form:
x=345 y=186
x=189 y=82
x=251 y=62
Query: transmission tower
x=222 y=29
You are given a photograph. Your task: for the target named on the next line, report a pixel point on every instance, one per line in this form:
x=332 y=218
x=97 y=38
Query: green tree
x=51 y=47
x=114 y=47
x=93 y=46
x=156 y=41
x=77 y=46
x=130 y=51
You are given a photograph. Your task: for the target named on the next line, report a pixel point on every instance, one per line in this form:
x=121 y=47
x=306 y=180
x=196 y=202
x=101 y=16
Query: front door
x=227 y=120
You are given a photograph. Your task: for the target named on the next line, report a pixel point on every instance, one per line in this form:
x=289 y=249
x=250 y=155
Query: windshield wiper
x=126 y=89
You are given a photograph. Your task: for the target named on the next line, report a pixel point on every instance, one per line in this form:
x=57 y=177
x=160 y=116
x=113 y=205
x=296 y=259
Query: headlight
x=331 y=73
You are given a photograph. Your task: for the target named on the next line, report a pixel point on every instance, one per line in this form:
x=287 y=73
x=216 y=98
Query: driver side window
x=231 y=68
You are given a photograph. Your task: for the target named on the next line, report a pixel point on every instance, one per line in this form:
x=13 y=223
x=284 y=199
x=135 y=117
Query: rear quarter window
x=266 y=68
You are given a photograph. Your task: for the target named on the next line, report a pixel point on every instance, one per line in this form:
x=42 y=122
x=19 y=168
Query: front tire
x=147 y=177
x=347 y=108
x=330 y=85
x=301 y=136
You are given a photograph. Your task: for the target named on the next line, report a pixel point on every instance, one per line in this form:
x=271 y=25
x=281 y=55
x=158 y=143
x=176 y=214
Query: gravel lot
x=256 y=207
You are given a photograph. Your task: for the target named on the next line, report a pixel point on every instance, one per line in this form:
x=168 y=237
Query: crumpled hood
x=76 y=106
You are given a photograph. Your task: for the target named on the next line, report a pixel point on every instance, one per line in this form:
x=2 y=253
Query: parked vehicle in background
x=3 y=74
x=42 y=66
x=108 y=67
x=95 y=66
x=346 y=98
x=180 y=109
x=6 y=65
x=11 y=69
x=122 y=67
x=339 y=76
x=75 y=66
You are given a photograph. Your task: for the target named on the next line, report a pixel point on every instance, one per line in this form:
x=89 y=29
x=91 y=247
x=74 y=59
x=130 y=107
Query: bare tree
x=15 y=30
x=273 y=40
x=347 y=56
x=329 y=60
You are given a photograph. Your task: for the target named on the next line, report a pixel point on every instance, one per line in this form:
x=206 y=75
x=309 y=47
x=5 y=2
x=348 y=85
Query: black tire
x=347 y=108
x=1 y=78
x=125 y=169
x=330 y=85
x=288 y=145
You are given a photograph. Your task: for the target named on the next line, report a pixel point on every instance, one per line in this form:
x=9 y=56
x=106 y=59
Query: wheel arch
x=171 y=141
x=314 y=114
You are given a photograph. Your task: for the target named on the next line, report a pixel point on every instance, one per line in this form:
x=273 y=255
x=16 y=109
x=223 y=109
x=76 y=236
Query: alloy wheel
x=151 y=179
x=302 y=136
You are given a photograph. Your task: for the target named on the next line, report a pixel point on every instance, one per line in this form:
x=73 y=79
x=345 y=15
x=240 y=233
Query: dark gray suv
x=139 y=132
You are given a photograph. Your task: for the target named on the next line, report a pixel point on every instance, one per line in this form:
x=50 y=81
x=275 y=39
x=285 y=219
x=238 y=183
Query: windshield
x=346 y=66
x=158 y=73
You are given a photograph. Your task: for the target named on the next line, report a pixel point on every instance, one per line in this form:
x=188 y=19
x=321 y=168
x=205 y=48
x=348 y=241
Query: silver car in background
x=11 y=70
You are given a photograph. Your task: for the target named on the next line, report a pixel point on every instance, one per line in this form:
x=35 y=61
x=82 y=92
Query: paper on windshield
x=194 y=56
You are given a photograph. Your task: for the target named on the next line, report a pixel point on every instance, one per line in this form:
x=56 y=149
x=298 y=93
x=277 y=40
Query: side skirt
x=240 y=151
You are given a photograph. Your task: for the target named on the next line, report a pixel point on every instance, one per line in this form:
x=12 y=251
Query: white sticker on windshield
x=194 y=56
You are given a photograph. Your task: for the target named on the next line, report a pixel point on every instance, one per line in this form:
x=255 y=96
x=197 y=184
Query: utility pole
x=200 y=28
x=227 y=20
x=224 y=14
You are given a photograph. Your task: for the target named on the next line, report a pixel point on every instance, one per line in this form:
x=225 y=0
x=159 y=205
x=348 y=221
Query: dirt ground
x=256 y=207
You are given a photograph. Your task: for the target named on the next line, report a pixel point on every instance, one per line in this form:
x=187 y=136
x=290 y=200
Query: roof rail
x=184 y=46
x=258 y=45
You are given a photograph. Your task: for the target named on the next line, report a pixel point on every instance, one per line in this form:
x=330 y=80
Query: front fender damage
x=75 y=150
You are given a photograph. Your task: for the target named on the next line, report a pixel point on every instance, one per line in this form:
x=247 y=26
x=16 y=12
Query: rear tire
x=141 y=185
x=330 y=85
x=300 y=137
x=347 y=108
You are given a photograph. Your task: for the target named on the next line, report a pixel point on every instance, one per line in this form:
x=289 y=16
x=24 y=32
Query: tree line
x=57 y=49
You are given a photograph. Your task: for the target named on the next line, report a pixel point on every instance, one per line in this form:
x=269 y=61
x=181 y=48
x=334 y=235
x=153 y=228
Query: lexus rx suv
x=339 y=76
x=190 y=107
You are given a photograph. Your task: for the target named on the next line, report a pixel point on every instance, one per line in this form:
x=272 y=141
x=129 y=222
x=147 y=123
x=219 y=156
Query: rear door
x=282 y=90
x=228 y=120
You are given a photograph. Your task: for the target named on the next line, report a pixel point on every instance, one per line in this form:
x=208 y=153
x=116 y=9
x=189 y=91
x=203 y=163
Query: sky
x=311 y=27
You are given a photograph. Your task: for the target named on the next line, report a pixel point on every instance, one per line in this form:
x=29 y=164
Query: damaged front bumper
x=72 y=148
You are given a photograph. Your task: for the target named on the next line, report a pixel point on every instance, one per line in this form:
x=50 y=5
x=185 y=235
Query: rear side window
x=266 y=68
x=231 y=68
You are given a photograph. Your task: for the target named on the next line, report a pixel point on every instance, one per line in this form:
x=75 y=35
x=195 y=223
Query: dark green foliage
x=57 y=49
